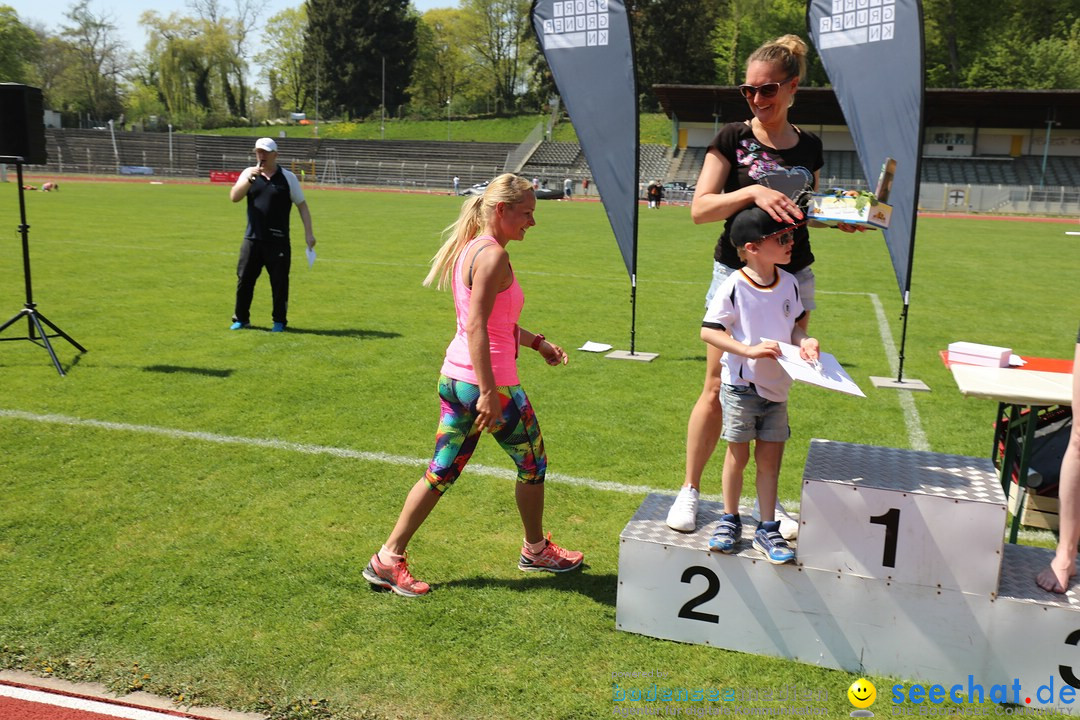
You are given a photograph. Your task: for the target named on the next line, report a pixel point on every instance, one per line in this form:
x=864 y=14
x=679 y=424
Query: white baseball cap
x=266 y=144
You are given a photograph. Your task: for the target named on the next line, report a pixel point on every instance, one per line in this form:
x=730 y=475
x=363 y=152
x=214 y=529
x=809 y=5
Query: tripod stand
x=35 y=333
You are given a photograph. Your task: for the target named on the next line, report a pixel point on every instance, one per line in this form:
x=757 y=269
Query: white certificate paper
x=829 y=376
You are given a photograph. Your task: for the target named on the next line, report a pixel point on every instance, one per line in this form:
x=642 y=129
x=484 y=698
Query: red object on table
x=1032 y=363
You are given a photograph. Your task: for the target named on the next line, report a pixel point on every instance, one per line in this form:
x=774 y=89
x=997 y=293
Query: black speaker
x=22 y=123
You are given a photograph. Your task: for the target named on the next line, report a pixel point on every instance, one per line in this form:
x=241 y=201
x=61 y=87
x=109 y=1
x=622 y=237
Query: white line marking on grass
x=916 y=436
x=307 y=449
x=380 y=457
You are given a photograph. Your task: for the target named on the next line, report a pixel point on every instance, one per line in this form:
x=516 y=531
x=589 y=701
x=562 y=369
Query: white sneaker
x=789 y=526
x=683 y=513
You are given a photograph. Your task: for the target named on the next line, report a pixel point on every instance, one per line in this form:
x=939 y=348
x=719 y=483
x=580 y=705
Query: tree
x=190 y=60
x=443 y=69
x=347 y=45
x=19 y=47
x=1022 y=43
x=673 y=44
x=745 y=25
x=231 y=70
x=99 y=62
x=283 y=59
x=496 y=34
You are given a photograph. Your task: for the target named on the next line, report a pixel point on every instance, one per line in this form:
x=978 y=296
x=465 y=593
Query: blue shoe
x=278 y=327
x=238 y=325
x=727 y=535
x=767 y=539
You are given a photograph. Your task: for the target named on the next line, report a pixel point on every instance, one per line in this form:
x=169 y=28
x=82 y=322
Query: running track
x=42 y=177
x=33 y=701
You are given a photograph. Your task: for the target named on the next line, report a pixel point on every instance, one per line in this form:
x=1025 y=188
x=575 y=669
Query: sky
x=125 y=13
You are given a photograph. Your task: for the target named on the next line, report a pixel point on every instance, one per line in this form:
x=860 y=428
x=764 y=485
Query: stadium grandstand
x=983 y=150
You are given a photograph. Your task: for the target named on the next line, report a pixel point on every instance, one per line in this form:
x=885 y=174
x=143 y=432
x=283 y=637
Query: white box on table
x=976 y=354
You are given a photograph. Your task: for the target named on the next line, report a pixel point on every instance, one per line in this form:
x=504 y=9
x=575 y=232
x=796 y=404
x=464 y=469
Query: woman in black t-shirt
x=764 y=161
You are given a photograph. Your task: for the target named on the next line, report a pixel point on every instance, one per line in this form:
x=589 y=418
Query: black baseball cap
x=752 y=224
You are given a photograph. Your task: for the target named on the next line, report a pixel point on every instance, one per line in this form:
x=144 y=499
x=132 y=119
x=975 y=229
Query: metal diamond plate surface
x=952 y=476
x=649 y=524
x=1019 y=566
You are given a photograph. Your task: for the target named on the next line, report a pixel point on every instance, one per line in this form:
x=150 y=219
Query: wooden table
x=1024 y=395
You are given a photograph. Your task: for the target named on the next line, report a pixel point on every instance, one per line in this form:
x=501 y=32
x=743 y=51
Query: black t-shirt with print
x=783 y=170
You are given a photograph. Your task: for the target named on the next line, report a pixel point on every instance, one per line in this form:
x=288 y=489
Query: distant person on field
x=755 y=307
x=457 y=183
x=479 y=387
x=568 y=188
x=271 y=191
x=655 y=193
x=50 y=186
x=1058 y=577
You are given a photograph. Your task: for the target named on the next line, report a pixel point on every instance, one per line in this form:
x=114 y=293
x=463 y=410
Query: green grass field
x=188 y=511
x=655 y=128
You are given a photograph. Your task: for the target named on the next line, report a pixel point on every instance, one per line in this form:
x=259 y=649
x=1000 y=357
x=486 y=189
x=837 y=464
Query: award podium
x=901 y=570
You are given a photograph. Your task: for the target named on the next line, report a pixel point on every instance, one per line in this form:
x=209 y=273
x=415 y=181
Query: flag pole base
x=894 y=384
x=627 y=355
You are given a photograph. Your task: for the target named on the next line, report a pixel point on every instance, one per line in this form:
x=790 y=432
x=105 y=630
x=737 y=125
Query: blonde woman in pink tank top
x=478 y=386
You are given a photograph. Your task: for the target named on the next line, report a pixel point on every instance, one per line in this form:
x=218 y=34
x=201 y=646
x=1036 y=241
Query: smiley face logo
x=862 y=693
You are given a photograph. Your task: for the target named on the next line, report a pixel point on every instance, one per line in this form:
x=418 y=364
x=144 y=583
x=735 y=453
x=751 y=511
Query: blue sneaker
x=767 y=539
x=238 y=325
x=278 y=327
x=727 y=535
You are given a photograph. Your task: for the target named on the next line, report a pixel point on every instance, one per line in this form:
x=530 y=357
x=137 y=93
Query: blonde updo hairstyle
x=476 y=211
x=787 y=52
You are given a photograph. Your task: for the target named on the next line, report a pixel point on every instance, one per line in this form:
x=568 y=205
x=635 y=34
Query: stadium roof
x=944 y=107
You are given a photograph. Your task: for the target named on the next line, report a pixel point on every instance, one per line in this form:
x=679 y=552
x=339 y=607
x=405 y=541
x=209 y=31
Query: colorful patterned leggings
x=517 y=433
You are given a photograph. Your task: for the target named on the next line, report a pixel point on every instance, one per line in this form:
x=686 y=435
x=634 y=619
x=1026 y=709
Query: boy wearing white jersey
x=756 y=306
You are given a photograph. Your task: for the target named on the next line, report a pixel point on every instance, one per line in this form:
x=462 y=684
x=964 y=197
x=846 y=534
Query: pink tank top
x=502 y=328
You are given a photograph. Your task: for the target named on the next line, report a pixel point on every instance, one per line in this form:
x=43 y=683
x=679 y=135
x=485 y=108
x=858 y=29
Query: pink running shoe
x=552 y=558
x=394 y=577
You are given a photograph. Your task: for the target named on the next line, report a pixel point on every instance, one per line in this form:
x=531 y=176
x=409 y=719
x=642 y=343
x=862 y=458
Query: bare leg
x=738 y=454
x=418 y=505
x=530 y=503
x=1057 y=577
x=706 y=421
x=767 y=457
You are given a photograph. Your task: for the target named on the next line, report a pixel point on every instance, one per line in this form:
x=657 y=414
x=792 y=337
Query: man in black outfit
x=271 y=191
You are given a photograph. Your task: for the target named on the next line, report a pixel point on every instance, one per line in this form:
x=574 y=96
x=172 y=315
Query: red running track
x=23 y=702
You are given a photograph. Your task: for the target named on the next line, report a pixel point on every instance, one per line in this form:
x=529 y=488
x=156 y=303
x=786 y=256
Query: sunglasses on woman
x=767 y=90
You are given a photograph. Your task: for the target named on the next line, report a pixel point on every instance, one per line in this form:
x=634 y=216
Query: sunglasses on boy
x=767 y=90
x=783 y=237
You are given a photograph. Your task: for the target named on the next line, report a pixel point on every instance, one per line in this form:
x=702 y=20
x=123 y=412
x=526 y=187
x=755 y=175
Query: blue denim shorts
x=807 y=284
x=748 y=416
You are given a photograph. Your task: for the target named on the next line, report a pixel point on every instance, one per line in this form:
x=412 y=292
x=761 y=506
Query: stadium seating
x=432 y=165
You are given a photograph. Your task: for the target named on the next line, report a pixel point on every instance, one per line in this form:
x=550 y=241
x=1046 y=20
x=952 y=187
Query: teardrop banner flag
x=872 y=51
x=589 y=49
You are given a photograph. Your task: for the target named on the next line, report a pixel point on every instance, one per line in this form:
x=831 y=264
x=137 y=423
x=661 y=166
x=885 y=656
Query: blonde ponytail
x=455 y=236
x=475 y=213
